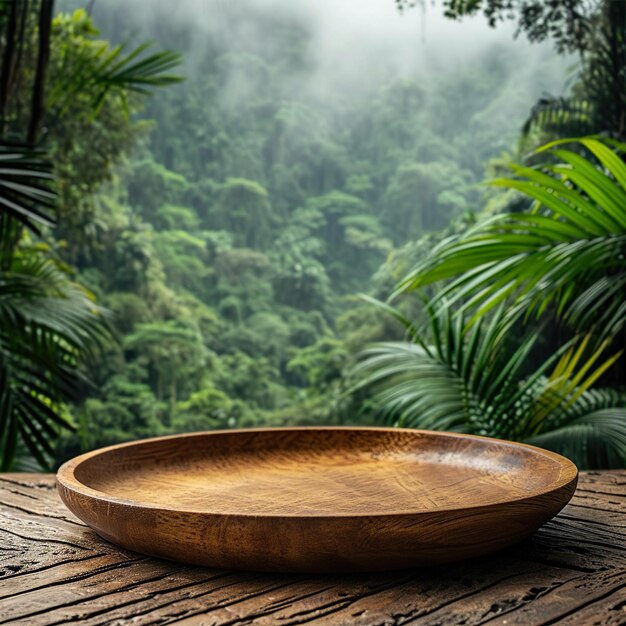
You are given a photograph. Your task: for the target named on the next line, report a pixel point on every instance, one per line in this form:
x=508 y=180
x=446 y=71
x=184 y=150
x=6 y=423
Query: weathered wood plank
x=600 y=502
x=283 y=594
x=37 y=502
x=177 y=591
x=565 y=600
x=44 y=529
x=604 y=477
x=397 y=602
x=607 y=611
x=68 y=572
x=54 y=570
x=91 y=586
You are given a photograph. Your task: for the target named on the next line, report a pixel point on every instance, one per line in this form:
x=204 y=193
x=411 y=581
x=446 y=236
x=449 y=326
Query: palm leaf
x=467 y=380
x=596 y=439
x=108 y=70
x=560 y=116
x=568 y=253
x=48 y=327
x=25 y=186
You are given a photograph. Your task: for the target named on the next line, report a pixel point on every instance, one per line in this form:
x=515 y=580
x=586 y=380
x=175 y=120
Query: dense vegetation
x=551 y=271
x=258 y=213
x=225 y=226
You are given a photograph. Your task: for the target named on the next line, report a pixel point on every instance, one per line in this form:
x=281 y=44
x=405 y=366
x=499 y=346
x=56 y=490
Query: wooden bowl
x=317 y=499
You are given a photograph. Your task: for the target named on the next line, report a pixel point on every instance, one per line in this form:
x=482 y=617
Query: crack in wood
x=578 y=608
x=152 y=595
x=82 y=599
x=11 y=505
x=231 y=602
x=57 y=541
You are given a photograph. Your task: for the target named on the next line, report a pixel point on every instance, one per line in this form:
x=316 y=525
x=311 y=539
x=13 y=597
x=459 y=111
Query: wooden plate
x=317 y=499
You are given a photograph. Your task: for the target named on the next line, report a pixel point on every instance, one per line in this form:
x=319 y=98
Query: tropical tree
x=244 y=208
x=595 y=30
x=174 y=352
x=424 y=196
x=597 y=101
x=566 y=257
x=49 y=325
x=567 y=22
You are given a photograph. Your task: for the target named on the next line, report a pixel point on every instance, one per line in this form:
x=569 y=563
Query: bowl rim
x=67 y=480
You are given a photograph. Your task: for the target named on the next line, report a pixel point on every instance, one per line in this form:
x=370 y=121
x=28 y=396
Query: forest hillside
x=242 y=187
x=267 y=190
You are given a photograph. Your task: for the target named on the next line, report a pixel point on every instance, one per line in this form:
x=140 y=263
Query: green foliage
x=130 y=411
x=48 y=327
x=319 y=364
x=243 y=208
x=597 y=100
x=567 y=22
x=25 y=193
x=172 y=217
x=89 y=123
x=227 y=224
x=566 y=254
x=209 y=408
x=184 y=258
x=150 y=185
x=127 y=310
x=451 y=378
x=255 y=381
x=172 y=351
x=440 y=190
x=70 y=91
x=101 y=70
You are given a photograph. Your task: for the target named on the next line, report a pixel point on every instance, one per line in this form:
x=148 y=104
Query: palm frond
x=48 y=326
x=567 y=253
x=563 y=117
x=109 y=70
x=448 y=379
x=25 y=186
x=465 y=379
x=595 y=439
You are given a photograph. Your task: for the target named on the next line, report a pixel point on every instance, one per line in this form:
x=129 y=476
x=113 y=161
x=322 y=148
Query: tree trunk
x=39 y=89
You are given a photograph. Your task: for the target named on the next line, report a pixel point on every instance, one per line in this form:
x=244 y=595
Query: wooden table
x=55 y=570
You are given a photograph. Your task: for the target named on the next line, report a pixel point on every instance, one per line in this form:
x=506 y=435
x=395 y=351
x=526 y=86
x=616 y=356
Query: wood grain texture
x=317 y=499
x=55 y=570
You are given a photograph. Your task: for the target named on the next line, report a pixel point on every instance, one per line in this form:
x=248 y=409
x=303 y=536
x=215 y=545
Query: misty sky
x=352 y=46
x=344 y=33
x=351 y=42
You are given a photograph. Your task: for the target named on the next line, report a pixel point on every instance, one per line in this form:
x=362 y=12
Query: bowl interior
x=294 y=472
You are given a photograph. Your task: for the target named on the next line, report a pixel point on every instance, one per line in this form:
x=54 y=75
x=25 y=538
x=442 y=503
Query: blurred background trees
x=191 y=260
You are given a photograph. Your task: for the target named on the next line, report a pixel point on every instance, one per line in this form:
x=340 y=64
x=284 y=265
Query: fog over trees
x=315 y=151
x=309 y=148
